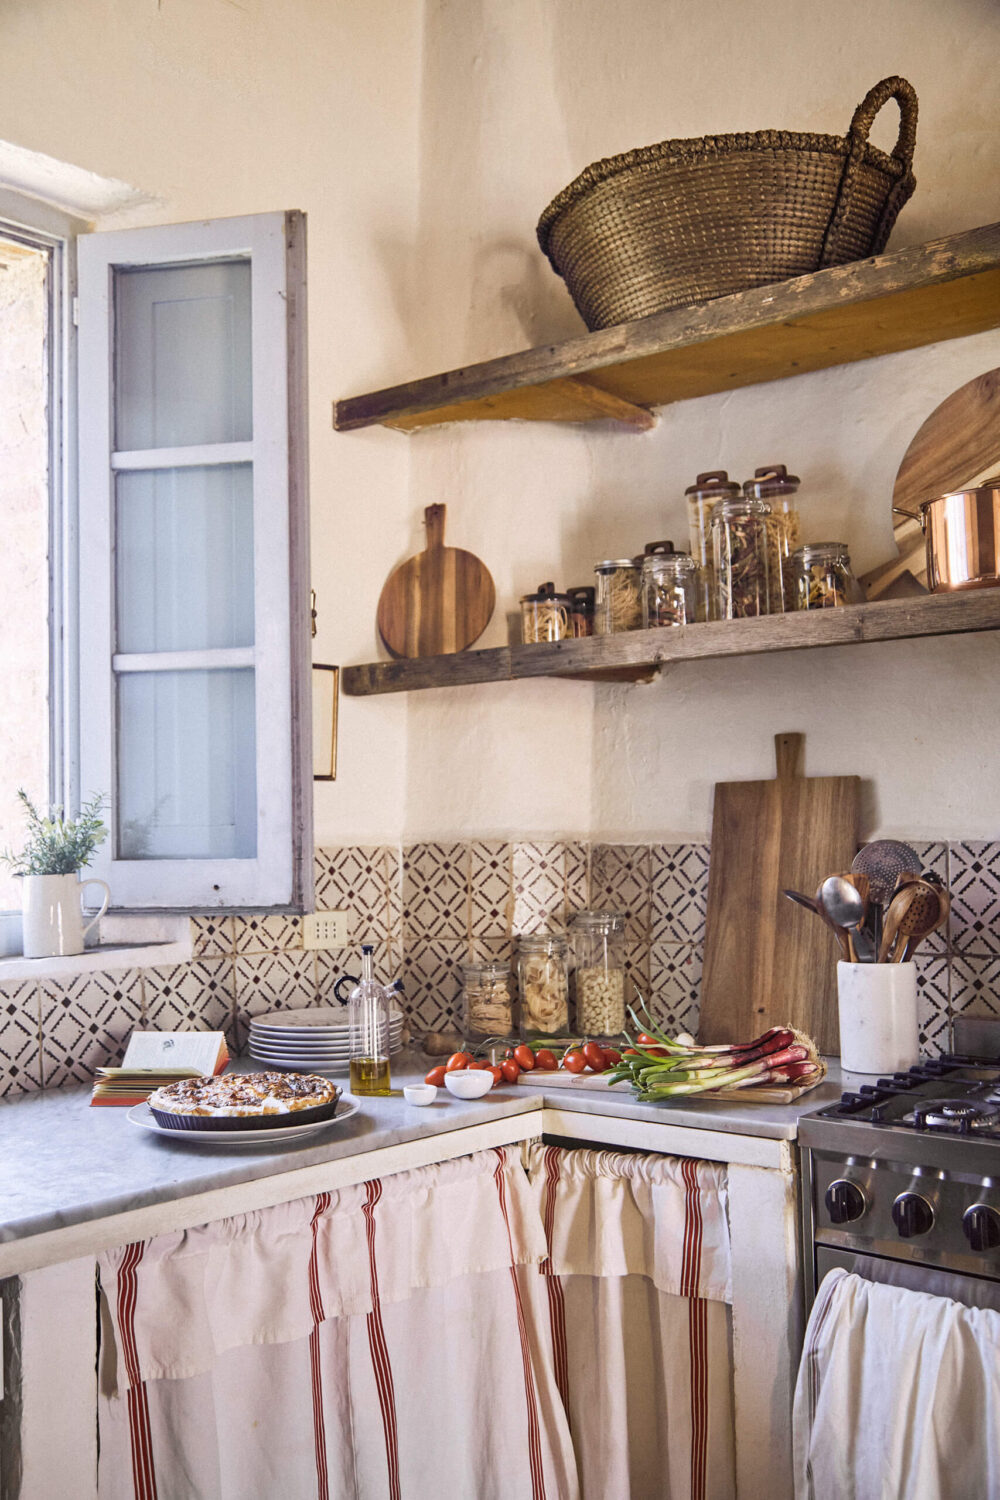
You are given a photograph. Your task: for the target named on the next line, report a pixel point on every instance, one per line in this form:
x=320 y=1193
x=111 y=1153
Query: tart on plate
x=244 y=1101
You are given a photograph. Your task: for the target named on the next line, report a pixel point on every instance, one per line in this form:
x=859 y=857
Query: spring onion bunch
x=662 y=1067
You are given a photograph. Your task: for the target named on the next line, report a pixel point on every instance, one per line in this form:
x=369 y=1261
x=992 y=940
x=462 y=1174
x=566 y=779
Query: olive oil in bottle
x=369 y=1024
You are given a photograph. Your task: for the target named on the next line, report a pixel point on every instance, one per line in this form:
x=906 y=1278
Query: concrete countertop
x=65 y=1163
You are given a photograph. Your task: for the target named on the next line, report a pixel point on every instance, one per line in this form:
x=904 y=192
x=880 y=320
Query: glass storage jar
x=543 y=985
x=581 y=603
x=702 y=498
x=669 y=589
x=598 y=946
x=823 y=576
x=779 y=488
x=739 y=557
x=545 y=616
x=487 y=1000
x=618 y=601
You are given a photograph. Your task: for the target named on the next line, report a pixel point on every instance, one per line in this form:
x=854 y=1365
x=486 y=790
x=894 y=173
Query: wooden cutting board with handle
x=438 y=602
x=767 y=961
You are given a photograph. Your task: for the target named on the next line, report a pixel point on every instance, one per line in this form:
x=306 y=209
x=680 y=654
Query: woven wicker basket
x=686 y=221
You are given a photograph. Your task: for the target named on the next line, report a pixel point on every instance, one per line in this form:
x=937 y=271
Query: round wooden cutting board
x=438 y=602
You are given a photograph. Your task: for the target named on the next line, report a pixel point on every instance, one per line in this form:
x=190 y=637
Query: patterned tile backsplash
x=428 y=908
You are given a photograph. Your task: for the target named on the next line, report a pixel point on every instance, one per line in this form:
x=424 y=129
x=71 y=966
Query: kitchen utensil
x=844 y=904
x=838 y=931
x=895 y=913
x=953 y=449
x=438 y=602
x=920 y=921
x=764 y=965
x=883 y=861
x=962 y=532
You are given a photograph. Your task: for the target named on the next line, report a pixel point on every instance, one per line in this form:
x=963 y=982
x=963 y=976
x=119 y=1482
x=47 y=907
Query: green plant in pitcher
x=58 y=845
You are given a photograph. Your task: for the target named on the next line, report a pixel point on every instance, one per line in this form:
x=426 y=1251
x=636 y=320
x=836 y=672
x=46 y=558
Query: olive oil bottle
x=369 y=1024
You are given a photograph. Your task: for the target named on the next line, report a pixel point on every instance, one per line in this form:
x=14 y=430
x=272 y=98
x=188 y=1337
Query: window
x=193 y=612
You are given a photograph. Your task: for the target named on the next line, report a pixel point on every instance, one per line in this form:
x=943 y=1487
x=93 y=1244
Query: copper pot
x=962 y=532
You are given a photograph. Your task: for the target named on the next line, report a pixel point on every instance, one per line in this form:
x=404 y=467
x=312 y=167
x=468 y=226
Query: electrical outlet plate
x=324 y=929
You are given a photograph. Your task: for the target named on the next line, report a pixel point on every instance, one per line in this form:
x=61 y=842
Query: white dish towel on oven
x=898 y=1396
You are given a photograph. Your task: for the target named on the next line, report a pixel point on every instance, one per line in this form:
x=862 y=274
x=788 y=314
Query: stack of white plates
x=316 y=1040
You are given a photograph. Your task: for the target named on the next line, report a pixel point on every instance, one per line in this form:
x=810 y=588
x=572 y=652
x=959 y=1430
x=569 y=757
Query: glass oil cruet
x=369 y=1028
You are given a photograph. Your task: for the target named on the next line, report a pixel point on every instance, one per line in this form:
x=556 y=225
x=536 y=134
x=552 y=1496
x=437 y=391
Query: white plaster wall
x=221 y=107
x=423 y=138
x=517 y=98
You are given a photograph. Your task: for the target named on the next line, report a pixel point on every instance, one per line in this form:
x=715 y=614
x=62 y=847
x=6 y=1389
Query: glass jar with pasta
x=543 y=985
x=581 y=601
x=598 y=947
x=487 y=1000
x=702 y=498
x=739 y=557
x=545 y=616
x=779 y=489
x=823 y=576
x=618 y=601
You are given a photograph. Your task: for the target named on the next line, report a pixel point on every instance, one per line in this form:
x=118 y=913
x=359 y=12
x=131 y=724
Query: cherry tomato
x=645 y=1040
x=574 y=1061
x=524 y=1057
x=593 y=1056
x=479 y=1065
x=546 y=1060
x=510 y=1070
x=611 y=1057
x=457 y=1060
x=497 y=1072
x=436 y=1076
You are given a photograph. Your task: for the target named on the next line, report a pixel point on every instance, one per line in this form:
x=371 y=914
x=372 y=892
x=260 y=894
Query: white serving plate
x=142 y=1115
x=326 y=1016
x=301 y=1049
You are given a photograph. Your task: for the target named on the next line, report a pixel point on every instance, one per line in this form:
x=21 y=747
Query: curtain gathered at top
x=469 y=1329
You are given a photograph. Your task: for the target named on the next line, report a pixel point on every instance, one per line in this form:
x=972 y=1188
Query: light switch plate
x=324 y=929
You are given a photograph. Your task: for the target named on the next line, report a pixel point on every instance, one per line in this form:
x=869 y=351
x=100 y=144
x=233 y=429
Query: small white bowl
x=469 y=1083
x=420 y=1093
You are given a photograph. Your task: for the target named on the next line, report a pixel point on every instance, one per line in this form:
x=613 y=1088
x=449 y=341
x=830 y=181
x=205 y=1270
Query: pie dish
x=244 y=1101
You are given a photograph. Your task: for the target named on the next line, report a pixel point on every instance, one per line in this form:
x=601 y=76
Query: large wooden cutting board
x=767 y=961
x=437 y=602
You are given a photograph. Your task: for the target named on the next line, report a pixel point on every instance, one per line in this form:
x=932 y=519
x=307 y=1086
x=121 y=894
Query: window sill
x=126 y=942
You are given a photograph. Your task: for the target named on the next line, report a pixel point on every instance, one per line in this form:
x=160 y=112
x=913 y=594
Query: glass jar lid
x=542 y=942
x=773 y=479
x=669 y=562
x=614 y=564
x=821 y=552
x=715 y=483
x=735 y=506
x=598 y=921
x=545 y=591
x=485 y=970
x=581 y=597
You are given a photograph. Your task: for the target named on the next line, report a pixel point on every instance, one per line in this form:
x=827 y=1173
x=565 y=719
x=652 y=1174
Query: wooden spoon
x=897 y=912
x=921 y=920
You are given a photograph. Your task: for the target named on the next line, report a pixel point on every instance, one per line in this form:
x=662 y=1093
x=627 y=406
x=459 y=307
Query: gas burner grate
x=961 y=1116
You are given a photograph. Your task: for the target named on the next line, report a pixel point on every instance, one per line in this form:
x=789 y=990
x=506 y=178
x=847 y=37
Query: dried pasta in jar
x=618 y=603
x=543 y=985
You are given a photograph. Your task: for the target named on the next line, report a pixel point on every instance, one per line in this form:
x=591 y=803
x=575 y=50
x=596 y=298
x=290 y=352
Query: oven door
x=972 y=1291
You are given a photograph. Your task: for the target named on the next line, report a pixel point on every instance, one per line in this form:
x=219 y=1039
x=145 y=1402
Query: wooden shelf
x=944 y=289
x=640 y=653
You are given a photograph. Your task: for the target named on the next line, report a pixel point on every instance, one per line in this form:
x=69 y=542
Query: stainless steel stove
x=902 y=1181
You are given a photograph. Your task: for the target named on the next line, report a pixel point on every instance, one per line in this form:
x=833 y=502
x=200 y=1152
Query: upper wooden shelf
x=640 y=653
x=944 y=289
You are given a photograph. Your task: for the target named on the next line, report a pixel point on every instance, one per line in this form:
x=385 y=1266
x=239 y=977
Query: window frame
x=280 y=877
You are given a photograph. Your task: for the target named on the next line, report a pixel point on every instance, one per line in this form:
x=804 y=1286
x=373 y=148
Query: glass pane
x=24 y=555
x=187 y=785
x=184 y=558
x=182 y=355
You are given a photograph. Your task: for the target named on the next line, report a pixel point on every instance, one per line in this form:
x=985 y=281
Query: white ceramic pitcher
x=52 y=914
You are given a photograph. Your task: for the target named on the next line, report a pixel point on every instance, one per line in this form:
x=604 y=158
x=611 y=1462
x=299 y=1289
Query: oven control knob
x=982 y=1227
x=845 y=1201
x=912 y=1215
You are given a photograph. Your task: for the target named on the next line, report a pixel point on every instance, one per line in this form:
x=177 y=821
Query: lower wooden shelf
x=640 y=653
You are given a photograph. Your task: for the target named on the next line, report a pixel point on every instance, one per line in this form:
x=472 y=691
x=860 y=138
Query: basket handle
x=857 y=142
x=905 y=96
